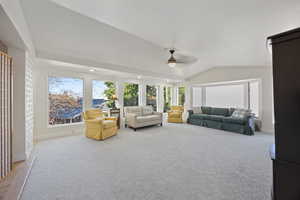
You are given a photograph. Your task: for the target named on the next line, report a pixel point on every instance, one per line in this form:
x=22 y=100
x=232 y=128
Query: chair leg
x=161 y=124
x=134 y=129
x=126 y=126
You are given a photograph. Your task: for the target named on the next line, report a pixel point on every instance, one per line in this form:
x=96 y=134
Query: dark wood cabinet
x=286 y=84
x=115 y=112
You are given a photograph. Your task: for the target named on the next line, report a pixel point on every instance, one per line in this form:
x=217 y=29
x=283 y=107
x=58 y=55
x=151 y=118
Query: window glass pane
x=181 y=96
x=167 y=98
x=104 y=94
x=254 y=97
x=65 y=100
x=225 y=96
x=151 y=93
x=197 y=96
x=131 y=94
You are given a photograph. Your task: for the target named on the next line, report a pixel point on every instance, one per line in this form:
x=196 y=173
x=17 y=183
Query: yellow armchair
x=97 y=126
x=175 y=114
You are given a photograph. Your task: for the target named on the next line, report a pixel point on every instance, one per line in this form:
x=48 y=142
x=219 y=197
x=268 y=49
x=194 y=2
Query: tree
x=151 y=96
x=167 y=98
x=131 y=97
x=181 y=94
x=110 y=93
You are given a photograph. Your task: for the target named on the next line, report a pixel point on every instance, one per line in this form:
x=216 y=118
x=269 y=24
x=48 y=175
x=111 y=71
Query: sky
x=57 y=85
x=98 y=89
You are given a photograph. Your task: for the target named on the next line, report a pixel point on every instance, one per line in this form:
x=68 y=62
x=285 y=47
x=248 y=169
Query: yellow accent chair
x=97 y=126
x=175 y=114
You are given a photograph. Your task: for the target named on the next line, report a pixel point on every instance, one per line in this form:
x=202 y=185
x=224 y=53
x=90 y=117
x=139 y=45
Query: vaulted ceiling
x=130 y=35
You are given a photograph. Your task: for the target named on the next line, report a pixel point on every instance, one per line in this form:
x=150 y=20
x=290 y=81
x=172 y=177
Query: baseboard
x=57 y=135
x=269 y=131
x=19 y=157
x=19 y=179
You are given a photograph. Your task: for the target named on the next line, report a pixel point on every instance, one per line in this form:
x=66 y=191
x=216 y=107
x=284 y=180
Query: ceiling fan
x=183 y=59
x=172 y=61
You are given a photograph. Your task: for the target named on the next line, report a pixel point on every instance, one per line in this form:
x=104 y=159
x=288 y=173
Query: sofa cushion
x=217 y=118
x=134 y=109
x=241 y=113
x=148 y=118
x=219 y=111
x=206 y=110
x=147 y=110
x=198 y=116
x=109 y=123
x=230 y=111
x=234 y=120
x=197 y=110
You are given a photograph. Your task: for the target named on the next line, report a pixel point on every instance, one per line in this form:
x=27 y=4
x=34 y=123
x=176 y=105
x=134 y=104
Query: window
x=197 y=96
x=151 y=93
x=103 y=94
x=167 y=98
x=226 y=96
x=65 y=100
x=254 y=97
x=131 y=94
x=181 y=96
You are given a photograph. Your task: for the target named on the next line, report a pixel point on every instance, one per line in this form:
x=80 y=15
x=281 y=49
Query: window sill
x=66 y=125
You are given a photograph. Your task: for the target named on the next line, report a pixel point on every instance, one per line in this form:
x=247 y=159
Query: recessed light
x=92 y=70
x=139 y=77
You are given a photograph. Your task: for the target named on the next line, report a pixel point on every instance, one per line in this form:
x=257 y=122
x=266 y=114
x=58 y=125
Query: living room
x=148 y=100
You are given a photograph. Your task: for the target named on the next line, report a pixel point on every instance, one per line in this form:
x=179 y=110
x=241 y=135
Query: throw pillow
x=241 y=113
x=197 y=110
x=147 y=110
x=206 y=110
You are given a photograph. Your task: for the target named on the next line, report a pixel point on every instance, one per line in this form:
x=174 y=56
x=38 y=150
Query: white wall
x=19 y=133
x=22 y=141
x=14 y=11
x=16 y=35
x=226 y=74
x=29 y=121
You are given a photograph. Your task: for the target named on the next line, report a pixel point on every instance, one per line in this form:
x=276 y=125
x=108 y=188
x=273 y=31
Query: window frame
x=157 y=94
x=245 y=91
x=139 y=92
x=177 y=96
x=92 y=89
x=246 y=84
x=171 y=96
x=48 y=103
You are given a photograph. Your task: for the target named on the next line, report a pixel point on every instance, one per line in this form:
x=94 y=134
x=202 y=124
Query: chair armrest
x=111 y=118
x=93 y=121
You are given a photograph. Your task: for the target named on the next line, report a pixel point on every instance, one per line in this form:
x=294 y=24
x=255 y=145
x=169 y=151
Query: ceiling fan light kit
x=172 y=60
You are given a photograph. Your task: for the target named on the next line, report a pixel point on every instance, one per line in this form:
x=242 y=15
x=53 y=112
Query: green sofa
x=220 y=118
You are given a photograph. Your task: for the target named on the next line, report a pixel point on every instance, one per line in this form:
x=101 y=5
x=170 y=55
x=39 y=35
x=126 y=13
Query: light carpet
x=176 y=161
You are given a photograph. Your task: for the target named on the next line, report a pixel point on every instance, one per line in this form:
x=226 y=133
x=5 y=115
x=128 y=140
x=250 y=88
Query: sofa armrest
x=251 y=122
x=158 y=113
x=190 y=112
x=130 y=118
